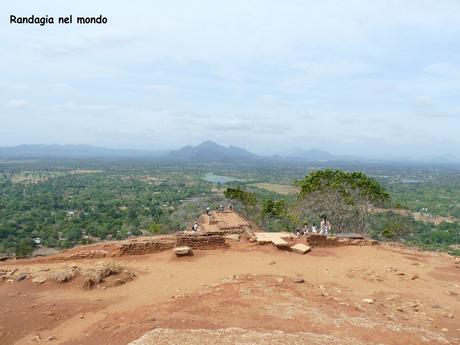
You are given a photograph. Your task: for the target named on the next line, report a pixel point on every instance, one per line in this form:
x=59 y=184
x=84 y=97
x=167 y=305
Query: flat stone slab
x=181 y=251
x=279 y=242
x=300 y=248
x=277 y=238
x=262 y=239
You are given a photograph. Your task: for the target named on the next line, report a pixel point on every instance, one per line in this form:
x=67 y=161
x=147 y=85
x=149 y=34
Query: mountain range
x=205 y=152
x=72 y=151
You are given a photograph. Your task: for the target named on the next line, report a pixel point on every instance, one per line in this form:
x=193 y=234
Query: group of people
x=324 y=228
x=221 y=208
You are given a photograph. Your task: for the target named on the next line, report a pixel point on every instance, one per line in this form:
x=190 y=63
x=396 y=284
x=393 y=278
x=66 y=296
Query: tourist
x=300 y=231
x=325 y=226
x=208 y=210
x=195 y=227
x=313 y=229
x=305 y=229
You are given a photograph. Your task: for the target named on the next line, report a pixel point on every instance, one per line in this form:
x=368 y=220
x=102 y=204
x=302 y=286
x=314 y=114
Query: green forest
x=60 y=204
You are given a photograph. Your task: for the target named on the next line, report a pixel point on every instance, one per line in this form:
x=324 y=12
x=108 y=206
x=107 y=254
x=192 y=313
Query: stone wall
x=204 y=240
x=154 y=244
x=323 y=241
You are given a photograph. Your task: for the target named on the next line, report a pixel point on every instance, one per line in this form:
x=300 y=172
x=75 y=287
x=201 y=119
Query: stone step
x=300 y=248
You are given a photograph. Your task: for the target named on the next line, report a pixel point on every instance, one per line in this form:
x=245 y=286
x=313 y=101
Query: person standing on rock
x=195 y=227
x=208 y=210
x=325 y=226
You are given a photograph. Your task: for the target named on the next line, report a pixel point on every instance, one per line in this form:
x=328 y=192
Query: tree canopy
x=248 y=199
x=344 y=197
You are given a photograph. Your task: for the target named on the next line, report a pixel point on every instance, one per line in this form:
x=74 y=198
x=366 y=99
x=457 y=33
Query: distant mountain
x=317 y=155
x=205 y=152
x=70 y=151
x=209 y=151
x=312 y=154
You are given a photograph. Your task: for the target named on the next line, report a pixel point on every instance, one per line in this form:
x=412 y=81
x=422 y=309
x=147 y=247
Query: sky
x=378 y=79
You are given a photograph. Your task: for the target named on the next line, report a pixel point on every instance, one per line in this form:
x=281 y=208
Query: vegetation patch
x=283 y=189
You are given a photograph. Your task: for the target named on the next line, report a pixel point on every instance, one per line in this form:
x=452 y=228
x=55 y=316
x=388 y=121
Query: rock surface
x=181 y=251
x=230 y=336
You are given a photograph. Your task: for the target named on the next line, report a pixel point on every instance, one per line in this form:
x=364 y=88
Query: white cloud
x=17 y=103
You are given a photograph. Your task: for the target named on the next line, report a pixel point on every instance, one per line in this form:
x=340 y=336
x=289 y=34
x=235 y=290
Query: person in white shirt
x=313 y=229
x=325 y=226
x=195 y=227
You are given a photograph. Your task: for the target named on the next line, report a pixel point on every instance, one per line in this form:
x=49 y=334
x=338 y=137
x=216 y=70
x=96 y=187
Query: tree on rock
x=273 y=210
x=248 y=199
x=344 y=197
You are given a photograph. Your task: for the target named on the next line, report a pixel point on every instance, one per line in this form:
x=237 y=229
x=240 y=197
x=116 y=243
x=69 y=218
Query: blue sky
x=377 y=79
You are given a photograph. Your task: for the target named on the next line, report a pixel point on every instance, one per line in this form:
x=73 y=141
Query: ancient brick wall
x=323 y=241
x=147 y=246
x=205 y=240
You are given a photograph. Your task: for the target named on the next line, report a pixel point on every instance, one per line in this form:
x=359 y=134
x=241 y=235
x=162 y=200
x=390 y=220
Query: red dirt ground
x=244 y=289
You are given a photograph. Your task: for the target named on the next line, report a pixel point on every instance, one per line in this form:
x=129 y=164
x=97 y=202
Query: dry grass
x=284 y=189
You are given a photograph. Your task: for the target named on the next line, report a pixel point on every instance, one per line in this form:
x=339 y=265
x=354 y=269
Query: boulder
x=300 y=248
x=119 y=282
x=21 y=276
x=89 y=283
x=39 y=280
x=63 y=276
x=184 y=250
x=448 y=315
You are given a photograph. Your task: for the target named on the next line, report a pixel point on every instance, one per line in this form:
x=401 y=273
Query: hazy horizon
x=356 y=78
